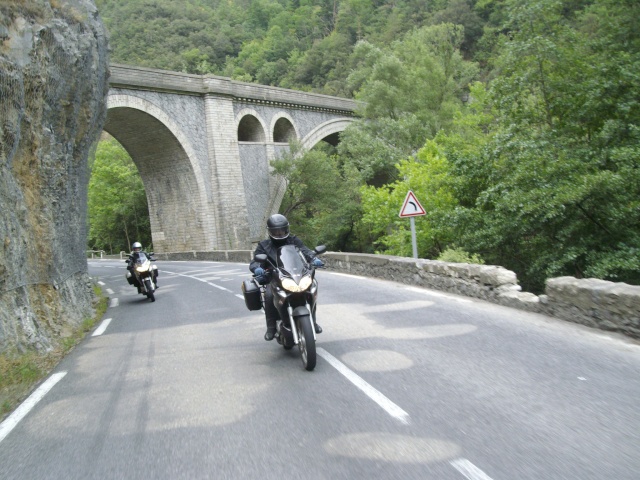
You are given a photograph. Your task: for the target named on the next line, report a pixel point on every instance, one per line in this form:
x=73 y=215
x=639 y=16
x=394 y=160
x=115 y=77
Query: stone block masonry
x=595 y=303
x=207 y=188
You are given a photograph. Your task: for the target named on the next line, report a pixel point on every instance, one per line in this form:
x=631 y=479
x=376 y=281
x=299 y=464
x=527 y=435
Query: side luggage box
x=251 y=292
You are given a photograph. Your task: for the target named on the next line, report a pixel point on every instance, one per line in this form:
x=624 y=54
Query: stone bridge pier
x=202 y=145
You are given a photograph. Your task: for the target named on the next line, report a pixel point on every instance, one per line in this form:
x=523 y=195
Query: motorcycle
x=144 y=273
x=295 y=292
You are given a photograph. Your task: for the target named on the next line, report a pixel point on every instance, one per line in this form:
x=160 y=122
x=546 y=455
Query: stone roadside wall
x=595 y=303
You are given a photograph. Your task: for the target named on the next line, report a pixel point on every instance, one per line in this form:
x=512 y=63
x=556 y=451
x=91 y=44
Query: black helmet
x=278 y=227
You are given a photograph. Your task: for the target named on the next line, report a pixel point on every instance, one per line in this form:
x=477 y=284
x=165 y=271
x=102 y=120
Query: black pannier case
x=251 y=293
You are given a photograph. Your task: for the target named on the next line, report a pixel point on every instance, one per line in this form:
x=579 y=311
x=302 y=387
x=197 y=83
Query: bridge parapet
x=185 y=83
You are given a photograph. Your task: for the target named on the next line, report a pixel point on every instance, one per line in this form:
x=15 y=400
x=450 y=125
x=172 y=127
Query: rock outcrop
x=53 y=88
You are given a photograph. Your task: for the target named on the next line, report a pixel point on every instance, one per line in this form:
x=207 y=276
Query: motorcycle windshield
x=141 y=258
x=290 y=260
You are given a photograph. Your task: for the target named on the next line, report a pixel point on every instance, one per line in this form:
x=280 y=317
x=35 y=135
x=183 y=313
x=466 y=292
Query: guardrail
x=92 y=253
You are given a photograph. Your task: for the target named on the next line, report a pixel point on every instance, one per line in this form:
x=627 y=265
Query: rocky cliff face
x=53 y=88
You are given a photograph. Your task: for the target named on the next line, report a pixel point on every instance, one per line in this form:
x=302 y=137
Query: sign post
x=412 y=208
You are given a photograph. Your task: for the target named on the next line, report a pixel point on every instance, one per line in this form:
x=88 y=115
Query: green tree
x=410 y=91
x=561 y=194
x=118 y=211
x=321 y=199
x=429 y=177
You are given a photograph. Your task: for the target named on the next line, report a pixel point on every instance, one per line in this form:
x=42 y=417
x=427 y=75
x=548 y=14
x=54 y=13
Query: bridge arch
x=219 y=177
x=169 y=169
x=283 y=128
x=327 y=130
x=251 y=127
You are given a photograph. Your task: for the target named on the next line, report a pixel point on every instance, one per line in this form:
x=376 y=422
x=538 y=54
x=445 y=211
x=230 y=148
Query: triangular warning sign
x=411 y=207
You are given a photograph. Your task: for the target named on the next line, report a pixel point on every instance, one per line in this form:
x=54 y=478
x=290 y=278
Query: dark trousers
x=270 y=311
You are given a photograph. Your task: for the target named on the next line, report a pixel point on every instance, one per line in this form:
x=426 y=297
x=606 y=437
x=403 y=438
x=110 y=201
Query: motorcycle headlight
x=289 y=285
x=143 y=268
x=305 y=282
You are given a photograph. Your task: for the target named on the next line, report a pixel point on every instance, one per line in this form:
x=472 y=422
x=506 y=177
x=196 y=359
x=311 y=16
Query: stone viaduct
x=202 y=145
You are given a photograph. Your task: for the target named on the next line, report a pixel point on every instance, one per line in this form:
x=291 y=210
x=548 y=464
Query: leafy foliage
x=118 y=211
x=534 y=167
x=321 y=201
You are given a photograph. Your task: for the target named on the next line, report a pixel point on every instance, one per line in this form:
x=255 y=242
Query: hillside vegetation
x=515 y=122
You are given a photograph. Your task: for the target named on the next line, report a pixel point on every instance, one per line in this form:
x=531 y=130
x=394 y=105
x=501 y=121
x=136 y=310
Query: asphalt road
x=410 y=384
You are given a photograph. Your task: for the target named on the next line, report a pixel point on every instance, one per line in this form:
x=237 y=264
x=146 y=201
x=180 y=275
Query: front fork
x=293 y=323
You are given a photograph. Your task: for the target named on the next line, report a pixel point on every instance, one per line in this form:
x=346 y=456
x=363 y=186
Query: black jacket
x=267 y=247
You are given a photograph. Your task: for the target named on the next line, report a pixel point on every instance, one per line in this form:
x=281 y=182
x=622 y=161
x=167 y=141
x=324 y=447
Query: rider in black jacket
x=137 y=249
x=278 y=230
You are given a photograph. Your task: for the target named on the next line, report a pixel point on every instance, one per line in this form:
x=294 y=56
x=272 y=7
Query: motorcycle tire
x=149 y=288
x=306 y=342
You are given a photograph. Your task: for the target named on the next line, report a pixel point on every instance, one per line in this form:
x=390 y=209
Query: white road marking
x=203 y=280
x=26 y=406
x=219 y=273
x=109 y=291
x=103 y=326
x=187 y=274
x=439 y=294
x=469 y=470
x=220 y=288
x=391 y=408
x=101 y=283
x=462 y=465
x=348 y=275
x=114 y=303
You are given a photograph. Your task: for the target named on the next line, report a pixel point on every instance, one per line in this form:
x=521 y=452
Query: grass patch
x=21 y=372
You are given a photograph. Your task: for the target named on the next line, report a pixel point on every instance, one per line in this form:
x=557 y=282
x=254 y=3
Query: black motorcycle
x=295 y=291
x=144 y=273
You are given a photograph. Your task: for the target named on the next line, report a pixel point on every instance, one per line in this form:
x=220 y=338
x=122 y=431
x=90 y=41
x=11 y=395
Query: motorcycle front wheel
x=306 y=342
x=147 y=285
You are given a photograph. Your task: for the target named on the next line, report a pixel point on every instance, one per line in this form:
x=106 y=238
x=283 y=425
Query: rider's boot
x=316 y=327
x=271 y=330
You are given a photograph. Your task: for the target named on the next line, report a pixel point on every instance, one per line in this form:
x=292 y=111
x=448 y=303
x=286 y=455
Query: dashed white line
x=100 y=282
x=101 y=329
x=114 y=303
x=469 y=470
x=109 y=291
x=391 y=408
x=26 y=406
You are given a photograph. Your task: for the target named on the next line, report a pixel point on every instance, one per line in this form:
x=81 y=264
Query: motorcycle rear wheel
x=150 y=295
x=306 y=342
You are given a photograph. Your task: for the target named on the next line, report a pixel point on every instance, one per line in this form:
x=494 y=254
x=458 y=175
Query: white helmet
x=137 y=246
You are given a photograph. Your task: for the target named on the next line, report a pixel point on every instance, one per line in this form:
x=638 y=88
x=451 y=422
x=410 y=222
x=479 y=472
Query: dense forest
x=515 y=122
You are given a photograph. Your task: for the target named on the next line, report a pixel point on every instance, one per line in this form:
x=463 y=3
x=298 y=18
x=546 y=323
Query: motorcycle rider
x=137 y=249
x=278 y=231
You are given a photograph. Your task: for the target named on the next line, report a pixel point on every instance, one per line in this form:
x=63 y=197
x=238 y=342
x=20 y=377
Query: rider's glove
x=316 y=262
x=258 y=272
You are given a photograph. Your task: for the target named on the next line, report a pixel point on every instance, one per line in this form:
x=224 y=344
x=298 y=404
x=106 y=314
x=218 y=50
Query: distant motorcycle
x=144 y=273
x=295 y=292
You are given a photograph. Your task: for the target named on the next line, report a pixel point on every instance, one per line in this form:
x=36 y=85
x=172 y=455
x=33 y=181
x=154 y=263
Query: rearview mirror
x=320 y=249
